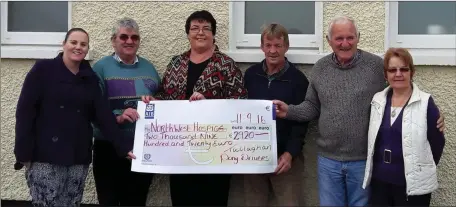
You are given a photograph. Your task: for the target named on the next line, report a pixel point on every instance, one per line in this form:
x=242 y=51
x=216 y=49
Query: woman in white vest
x=404 y=145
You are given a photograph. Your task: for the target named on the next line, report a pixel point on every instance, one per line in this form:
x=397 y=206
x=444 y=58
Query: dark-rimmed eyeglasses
x=197 y=29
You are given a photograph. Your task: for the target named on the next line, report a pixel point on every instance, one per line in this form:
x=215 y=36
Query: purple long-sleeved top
x=390 y=137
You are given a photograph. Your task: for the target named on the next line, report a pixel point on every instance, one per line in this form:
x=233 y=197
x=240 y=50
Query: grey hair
x=342 y=20
x=126 y=23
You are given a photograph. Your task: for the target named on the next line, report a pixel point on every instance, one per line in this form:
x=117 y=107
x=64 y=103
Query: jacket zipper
x=270 y=80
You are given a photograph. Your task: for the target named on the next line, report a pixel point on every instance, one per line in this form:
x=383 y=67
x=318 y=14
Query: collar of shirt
x=353 y=60
x=117 y=58
x=279 y=73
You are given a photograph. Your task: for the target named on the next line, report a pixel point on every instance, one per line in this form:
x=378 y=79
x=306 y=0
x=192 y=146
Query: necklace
x=393 y=113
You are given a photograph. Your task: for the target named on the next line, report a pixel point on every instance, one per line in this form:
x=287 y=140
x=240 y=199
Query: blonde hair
x=275 y=30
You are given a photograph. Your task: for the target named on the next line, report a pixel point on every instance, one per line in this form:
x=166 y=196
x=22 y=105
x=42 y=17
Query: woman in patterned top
x=203 y=72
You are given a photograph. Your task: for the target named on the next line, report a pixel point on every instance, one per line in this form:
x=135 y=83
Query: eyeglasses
x=394 y=70
x=197 y=29
x=125 y=37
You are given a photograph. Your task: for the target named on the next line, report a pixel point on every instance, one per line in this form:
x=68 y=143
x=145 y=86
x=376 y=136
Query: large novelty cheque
x=206 y=136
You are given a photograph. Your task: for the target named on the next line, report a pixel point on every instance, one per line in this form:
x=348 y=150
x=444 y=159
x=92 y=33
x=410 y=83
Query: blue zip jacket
x=289 y=87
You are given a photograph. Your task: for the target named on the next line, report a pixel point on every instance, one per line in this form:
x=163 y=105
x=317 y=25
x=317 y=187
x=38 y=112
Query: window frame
x=425 y=49
x=246 y=47
x=31 y=45
x=253 y=40
x=30 y=38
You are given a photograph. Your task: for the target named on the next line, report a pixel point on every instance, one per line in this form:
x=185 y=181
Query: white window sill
x=446 y=58
x=441 y=57
x=33 y=52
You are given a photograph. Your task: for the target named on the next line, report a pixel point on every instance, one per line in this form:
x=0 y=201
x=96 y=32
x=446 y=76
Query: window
x=37 y=26
x=303 y=20
x=426 y=28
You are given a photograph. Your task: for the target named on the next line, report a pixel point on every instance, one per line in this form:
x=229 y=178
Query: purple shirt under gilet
x=389 y=137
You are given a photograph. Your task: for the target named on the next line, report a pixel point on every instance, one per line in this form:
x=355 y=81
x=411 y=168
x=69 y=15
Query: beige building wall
x=163 y=35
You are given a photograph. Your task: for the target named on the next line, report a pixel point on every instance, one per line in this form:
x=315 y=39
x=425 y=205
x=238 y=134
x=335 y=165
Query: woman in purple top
x=404 y=145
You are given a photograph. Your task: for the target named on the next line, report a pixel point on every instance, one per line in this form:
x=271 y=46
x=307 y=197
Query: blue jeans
x=340 y=183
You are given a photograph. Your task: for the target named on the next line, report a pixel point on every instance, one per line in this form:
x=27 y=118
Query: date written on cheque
x=249 y=118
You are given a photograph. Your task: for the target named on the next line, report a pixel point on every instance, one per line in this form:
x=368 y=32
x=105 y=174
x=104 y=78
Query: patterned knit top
x=124 y=84
x=220 y=79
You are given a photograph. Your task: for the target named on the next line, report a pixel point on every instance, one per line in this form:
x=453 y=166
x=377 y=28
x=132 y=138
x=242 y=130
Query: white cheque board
x=205 y=136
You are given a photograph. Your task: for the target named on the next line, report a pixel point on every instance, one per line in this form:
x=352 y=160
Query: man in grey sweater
x=341 y=88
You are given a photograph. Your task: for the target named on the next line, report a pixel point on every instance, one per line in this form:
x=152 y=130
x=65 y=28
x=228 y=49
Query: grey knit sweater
x=340 y=98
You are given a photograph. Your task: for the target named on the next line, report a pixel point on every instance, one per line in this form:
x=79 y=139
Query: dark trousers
x=386 y=194
x=200 y=189
x=116 y=184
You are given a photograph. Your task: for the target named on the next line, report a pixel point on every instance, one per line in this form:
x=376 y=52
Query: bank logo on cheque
x=150 y=110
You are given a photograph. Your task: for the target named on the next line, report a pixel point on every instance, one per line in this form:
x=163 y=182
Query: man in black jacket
x=277 y=78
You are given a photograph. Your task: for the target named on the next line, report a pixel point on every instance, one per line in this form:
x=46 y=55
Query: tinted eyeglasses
x=125 y=37
x=394 y=70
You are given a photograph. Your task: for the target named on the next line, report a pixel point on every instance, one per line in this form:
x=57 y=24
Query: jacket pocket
x=427 y=173
x=425 y=154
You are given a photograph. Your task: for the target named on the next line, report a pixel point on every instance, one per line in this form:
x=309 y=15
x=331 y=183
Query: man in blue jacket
x=277 y=78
